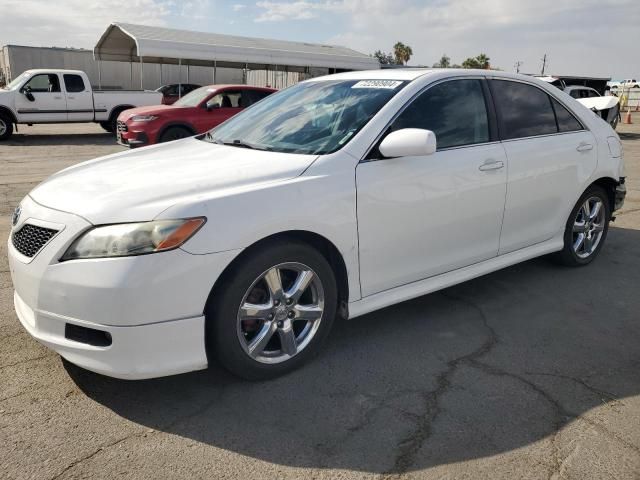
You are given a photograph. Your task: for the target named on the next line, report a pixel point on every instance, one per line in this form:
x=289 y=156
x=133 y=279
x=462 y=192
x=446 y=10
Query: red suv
x=196 y=112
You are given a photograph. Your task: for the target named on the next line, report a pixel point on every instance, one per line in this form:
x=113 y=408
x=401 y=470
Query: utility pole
x=518 y=65
x=544 y=63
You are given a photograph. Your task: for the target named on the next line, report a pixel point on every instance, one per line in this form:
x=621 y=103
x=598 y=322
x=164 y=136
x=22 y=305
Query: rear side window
x=455 y=111
x=73 y=83
x=523 y=110
x=566 y=121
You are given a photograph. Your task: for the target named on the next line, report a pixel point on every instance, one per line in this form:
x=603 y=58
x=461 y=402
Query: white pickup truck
x=64 y=96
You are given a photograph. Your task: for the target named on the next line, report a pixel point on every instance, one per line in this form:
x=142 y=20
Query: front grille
x=31 y=238
x=122 y=127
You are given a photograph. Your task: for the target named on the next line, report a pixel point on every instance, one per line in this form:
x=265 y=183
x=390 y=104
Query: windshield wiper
x=241 y=144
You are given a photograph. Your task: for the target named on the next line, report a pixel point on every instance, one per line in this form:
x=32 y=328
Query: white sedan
x=335 y=197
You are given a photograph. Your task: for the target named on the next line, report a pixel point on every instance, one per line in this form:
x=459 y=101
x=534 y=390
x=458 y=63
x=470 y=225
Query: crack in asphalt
x=8 y=365
x=147 y=432
x=409 y=446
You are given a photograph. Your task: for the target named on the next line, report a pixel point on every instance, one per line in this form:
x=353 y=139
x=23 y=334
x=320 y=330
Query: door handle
x=70 y=98
x=491 y=165
x=57 y=98
x=584 y=147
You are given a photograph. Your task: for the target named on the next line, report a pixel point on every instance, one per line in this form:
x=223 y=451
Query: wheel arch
x=609 y=185
x=117 y=110
x=7 y=111
x=182 y=124
x=316 y=241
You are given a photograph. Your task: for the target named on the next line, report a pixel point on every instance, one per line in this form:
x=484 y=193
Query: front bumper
x=151 y=306
x=130 y=136
x=137 y=352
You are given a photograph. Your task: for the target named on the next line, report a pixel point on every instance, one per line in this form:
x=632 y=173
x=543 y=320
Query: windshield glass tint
x=194 y=98
x=309 y=118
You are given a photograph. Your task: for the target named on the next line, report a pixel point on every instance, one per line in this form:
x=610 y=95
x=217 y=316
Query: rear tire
x=6 y=127
x=259 y=332
x=586 y=228
x=107 y=126
x=174 y=133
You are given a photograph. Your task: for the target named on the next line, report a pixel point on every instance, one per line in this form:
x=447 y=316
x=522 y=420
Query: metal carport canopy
x=131 y=43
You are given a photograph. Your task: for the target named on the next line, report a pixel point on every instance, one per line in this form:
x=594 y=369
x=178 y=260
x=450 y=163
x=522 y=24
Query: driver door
x=426 y=215
x=49 y=103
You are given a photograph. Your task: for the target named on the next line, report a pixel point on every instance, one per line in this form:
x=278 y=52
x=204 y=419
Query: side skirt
x=444 y=280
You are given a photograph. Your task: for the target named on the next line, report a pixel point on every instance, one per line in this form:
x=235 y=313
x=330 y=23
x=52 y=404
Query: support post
x=100 y=74
x=141 y=74
x=131 y=75
x=179 y=78
x=215 y=67
x=187 y=73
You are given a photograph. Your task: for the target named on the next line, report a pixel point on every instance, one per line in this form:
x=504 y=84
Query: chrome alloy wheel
x=588 y=227
x=3 y=127
x=280 y=313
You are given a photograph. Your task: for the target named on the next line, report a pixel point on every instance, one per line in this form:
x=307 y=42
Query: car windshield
x=310 y=118
x=193 y=99
x=17 y=81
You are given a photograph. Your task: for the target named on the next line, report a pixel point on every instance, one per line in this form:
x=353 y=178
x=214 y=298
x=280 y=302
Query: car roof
x=238 y=86
x=35 y=71
x=411 y=74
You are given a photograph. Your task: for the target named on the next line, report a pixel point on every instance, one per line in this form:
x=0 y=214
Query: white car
x=335 y=197
x=64 y=96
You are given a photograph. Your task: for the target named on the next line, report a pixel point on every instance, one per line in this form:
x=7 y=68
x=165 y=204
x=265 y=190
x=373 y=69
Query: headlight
x=143 y=118
x=133 y=238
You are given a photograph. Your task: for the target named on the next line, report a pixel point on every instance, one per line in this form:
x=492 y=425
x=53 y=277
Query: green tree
x=402 y=53
x=445 y=62
x=483 y=60
x=383 y=57
x=471 y=62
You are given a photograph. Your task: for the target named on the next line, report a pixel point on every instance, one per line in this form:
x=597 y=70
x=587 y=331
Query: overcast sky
x=581 y=37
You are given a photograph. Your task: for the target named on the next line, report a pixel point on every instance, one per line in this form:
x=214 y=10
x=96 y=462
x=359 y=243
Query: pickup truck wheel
x=273 y=312
x=174 y=133
x=107 y=126
x=6 y=127
x=586 y=228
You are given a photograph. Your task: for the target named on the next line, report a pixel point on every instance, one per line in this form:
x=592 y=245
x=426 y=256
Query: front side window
x=316 y=117
x=195 y=98
x=44 y=83
x=227 y=99
x=455 y=111
x=73 y=83
x=523 y=110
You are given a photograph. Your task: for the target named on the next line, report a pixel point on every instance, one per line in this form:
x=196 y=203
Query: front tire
x=586 y=228
x=174 y=133
x=6 y=127
x=273 y=311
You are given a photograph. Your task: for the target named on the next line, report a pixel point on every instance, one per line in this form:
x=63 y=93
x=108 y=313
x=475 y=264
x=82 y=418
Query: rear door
x=49 y=103
x=79 y=98
x=550 y=154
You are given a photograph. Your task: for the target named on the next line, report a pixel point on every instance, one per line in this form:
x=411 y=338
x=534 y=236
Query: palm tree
x=483 y=61
x=402 y=52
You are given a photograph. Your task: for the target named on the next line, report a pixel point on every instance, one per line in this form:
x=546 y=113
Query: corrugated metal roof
x=129 y=42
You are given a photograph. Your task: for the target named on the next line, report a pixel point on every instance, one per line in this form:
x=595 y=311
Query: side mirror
x=408 y=142
x=212 y=106
x=26 y=91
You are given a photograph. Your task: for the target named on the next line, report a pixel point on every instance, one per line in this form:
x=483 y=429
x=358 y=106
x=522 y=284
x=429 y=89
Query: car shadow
x=479 y=369
x=27 y=139
x=629 y=135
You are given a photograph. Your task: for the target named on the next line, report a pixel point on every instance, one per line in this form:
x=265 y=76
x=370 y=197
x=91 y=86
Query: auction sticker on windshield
x=390 y=84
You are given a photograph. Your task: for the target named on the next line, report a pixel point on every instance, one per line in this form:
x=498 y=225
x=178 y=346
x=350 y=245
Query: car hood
x=139 y=184
x=152 y=110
